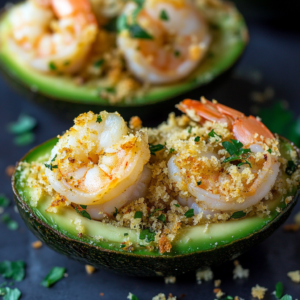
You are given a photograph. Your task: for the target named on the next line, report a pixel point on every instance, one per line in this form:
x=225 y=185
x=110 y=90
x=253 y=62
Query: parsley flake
x=155 y=148
x=137 y=32
x=199 y=182
x=56 y=274
x=13 y=270
x=24 y=139
x=123 y=246
x=4 y=201
x=291 y=168
x=138 y=215
x=164 y=16
x=236 y=151
x=212 y=134
x=131 y=296
x=189 y=213
x=162 y=218
x=270 y=151
x=10 y=223
x=10 y=294
x=279 y=290
x=197 y=139
x=99 y=119
x=99 y=63
x=190 y=129
x=52 y=66
x=177 y=54
x=25 y=123
x=80 y=209
x=158 y=209
x=177 y=205
x=287 y=297
x=125 y=234
x=51 y=167
x=172 y=150
x=116 y=212
x=238 y=215
x=148 y=235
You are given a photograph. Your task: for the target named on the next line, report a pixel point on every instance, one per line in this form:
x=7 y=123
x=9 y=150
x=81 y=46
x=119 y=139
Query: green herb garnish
x=155 y=148
x=158 y=209
x=132 y=297
x=238 y=215
x=24 y=124
x=4 y=201
x=51 y=167
x=56 y=274
x=125 y=234
x=237 y=152
x=177 y=205
x=270 y=151
x=199 y=182
x=172 y=150
x=52 y=66
x=279 y=290
x=13 y=270
x=123 y=246
x=10 y=294
x=291 y=168
x=197 y=139
x=164 y=16
x=116 y=212
x=189 y=213
x=99 y=63
x=10 y=223
x=190 y=130
x=80 y=209
x=162 y=218
x=137 y=32
x=148 y=235
x=138 y=215
x=287 y=297
x=177 y=54
x=212 y=134
x=99 y=119
x=24 y=139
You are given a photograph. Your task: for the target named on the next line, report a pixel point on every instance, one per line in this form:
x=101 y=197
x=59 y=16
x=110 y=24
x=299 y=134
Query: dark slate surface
x=274 y=52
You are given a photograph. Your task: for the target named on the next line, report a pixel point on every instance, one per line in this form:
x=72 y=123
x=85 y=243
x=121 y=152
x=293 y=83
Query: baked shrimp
x=162 y=41
x=231 y=171
x=53 y=35
x=100 y=164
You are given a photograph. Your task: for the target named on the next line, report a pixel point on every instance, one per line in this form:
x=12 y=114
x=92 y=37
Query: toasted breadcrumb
x=217 y=282
x=204 y=274
x=218 y=293
x=294 y=275
x=258 y=292
x=10 y=170
x=291 y=227
x=37 y=245
x=170 y=279
x=297 y=218
x=101 y=294
x=90 y=269
x=239 y=272
x=162 y=296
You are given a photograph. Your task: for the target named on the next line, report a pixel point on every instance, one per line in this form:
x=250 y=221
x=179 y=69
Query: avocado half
x=230 y=37
x=192 y=249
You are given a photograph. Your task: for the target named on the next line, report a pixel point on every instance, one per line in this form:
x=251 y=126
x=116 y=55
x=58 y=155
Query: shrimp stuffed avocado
x=204 y=186
x=125 y=53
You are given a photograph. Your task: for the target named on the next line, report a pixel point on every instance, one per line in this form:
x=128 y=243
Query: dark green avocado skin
x=138 y=265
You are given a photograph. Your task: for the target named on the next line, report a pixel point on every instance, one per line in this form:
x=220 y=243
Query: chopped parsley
x=80 y=209
x=279 y=290
x=270 y=151
x=133 y=297
x=123 y=246
x=4 y=201
x=238 y=215
x=99 y=63
x=13 y=270
x=189 y=213
x=162 y=218
x=148 y=235
x=125 y=234
x=177 y=205
x=138 y=215
x=172 y=150
x=99 y=119
x=177 y=54
x=116 y=212
x=190 y=130
x=291 y=168
x=164 y=16
x=52 y=66
x=199 y=182
x=137 y=32
x=197 y=139
x=155 y=148
x=24 y=139
x=51 y=167
x=25 y=123
x=10 y=294
x=54 y=158
x=237 y=152
x=56 y=274
x=212 y=134
x=10 y=223
x=287 y=297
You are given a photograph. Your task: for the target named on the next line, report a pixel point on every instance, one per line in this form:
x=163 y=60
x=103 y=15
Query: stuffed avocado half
x=105 y=78
x=157 y=231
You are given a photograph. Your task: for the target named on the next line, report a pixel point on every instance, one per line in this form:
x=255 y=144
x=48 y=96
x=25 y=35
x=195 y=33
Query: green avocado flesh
x=230 y=37
x=192 y=248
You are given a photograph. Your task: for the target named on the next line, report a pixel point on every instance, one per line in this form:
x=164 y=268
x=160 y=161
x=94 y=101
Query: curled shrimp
x=163 y=41
x=98 y=161
x=225 y=186
x=53 y=35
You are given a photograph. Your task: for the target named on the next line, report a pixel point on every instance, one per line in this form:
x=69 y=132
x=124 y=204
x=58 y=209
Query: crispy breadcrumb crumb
x=294 y=276
x=258 y=292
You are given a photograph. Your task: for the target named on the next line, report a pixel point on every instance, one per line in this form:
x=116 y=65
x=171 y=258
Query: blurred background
x=265 y=83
